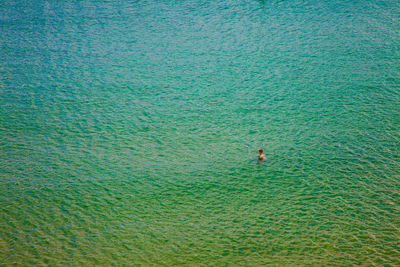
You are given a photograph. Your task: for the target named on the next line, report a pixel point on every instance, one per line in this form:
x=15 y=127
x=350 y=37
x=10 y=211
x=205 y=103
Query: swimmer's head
x=260 y=151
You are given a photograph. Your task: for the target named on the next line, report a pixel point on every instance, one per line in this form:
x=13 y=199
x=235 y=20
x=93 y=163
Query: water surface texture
x=129 y=132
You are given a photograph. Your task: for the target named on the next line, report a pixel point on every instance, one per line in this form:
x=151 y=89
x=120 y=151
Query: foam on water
x=129 y=133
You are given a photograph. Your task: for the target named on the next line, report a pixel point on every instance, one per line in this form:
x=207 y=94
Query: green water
x=129 y=133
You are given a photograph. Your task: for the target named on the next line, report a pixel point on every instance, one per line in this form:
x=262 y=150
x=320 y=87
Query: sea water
x=129 y=132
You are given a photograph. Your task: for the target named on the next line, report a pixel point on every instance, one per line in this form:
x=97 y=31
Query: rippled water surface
x=129 y=132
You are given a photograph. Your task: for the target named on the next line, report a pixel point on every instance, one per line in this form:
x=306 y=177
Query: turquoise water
x=129 y=133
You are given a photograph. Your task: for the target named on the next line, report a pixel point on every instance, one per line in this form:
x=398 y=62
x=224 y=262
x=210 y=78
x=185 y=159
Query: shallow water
x=129 y=133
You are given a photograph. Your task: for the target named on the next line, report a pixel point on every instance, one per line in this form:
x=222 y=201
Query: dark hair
x=261 y=150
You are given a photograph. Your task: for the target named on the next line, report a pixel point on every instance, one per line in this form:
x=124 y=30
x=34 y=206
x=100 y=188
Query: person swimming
x=261 y=156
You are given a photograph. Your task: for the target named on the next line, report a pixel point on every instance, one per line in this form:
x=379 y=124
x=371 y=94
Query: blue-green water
x=129 y=132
